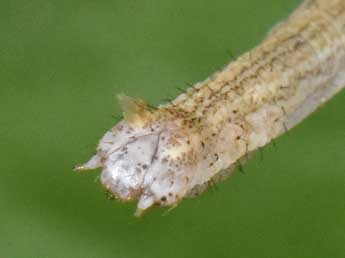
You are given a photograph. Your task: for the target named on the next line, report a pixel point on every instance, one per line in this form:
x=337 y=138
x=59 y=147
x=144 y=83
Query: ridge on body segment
x=158 y=156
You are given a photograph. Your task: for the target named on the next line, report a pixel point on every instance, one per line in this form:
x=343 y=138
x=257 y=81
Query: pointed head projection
x=149 y=156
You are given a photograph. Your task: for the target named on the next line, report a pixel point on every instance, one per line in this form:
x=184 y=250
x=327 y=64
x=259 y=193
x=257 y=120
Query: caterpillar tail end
x=150 y=157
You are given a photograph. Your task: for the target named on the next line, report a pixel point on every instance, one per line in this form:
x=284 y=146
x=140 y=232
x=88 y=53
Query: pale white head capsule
x=150 y=156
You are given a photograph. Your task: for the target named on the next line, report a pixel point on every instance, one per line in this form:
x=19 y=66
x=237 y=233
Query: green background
x=62 y=64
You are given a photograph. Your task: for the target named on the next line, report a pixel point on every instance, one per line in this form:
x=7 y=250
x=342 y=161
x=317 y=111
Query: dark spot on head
x=188 y=141
x=238 y=137
x=235 y=111
x=103 y=159
x=155 y=178
x=144 y=166
x=213 y=134
x=170 y=194
x=163 y=198
x=203 y=144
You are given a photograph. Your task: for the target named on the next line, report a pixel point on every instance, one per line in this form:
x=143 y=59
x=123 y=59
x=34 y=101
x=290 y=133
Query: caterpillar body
x=160 y=155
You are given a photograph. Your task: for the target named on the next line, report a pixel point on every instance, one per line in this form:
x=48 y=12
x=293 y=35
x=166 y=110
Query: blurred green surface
x=61 y=65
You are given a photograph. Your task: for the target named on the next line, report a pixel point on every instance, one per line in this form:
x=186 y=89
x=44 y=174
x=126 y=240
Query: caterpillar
x=159 y=156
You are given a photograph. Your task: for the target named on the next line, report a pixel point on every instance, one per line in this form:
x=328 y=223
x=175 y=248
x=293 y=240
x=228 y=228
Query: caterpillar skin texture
x=158 y=156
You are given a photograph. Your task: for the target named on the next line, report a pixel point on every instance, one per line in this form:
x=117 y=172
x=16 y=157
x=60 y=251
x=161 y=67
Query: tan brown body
x=159 y=156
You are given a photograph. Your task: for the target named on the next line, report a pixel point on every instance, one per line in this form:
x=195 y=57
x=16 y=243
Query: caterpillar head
x=149 y=156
